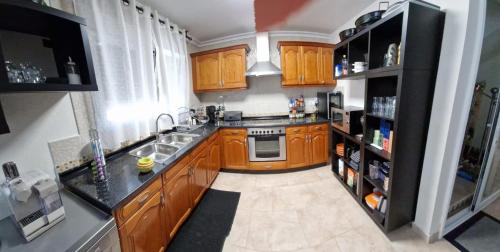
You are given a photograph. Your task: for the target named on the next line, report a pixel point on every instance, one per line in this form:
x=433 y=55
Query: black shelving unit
x=39 y=34
x=45 y=37
x=417 y=29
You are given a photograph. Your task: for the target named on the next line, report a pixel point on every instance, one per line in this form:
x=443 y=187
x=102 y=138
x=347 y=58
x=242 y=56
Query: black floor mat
x=209 y=224
x=481 y=233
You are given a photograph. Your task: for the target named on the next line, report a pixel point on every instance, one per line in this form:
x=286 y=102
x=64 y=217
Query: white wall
x=264 y=95
x=439 y=166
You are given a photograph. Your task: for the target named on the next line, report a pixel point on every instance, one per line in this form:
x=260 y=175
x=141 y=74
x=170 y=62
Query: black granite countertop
x=125 y=180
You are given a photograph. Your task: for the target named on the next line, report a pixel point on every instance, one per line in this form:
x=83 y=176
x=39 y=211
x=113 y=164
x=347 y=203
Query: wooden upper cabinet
x=291 y=67
x=311 y=58
x=306 y=63
x=145 y=231
x=220 y=69
x=327 y=66
x=234 y=67
x=207 y=71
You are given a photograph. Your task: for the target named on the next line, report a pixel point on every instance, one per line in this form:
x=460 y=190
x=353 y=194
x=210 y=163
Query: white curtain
x=131 y=91
x=172 y=62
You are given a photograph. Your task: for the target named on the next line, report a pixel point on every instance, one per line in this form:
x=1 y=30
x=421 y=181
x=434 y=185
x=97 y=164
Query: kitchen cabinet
x=234 y=148
x=327 y=76
x=220 y=69
x=214 y=152
x=290 y=65
x=145 y=230
x=306 y=63
x=207 y=71
x=178 y=202
x=297 y=151
x=307 y=145
x=198 y=175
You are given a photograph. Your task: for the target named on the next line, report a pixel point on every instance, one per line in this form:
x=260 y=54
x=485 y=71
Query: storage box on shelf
x=413 y=32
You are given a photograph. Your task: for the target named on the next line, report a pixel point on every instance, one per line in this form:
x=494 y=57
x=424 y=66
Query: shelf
x=352 y=76
x=29 y=87
x=377 y=183
x=381 y=153
x=380 y=117
x=350 y=164
x=370 y=213
x=349 y=189
x=351 y=138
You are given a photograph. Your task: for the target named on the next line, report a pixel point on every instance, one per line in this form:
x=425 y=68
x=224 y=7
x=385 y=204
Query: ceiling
x=210 y=19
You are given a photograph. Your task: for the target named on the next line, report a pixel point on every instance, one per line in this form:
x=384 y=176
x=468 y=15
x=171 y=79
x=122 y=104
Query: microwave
x=327 y=101
x=347 y=119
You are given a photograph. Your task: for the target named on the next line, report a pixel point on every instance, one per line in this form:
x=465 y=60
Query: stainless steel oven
x=266 y=144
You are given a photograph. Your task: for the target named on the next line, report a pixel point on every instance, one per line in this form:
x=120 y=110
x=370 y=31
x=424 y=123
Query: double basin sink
x=164 y=147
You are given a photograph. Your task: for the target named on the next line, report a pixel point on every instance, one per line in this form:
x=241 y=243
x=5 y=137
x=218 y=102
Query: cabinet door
x=318 y=147
x=235 y=151
x=311 y=58
x=297 y=150
x=145 y=231
x=327 y=66
x=178 y=202
x=207 y=72
x=234 y=68
x=198 y=180
x=291 y=65
x=214 y=158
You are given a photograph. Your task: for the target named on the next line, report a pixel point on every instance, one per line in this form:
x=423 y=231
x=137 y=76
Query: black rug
x=209 y=224
x=481 y=233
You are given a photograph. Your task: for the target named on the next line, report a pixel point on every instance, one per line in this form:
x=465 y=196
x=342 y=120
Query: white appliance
x=34 y=200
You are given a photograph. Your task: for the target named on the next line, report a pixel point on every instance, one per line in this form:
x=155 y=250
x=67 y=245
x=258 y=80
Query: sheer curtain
x=134 y=85
x=172 y=62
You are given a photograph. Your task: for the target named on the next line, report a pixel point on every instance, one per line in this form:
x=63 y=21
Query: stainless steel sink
x=157 y=151
x=177 y=139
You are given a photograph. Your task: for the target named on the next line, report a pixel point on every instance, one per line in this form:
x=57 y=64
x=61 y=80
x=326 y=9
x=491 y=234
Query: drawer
x=296 y=130
x=138 y=201
x=167 y=176
x=267 y=166
x=234 y=132
x=318 y=128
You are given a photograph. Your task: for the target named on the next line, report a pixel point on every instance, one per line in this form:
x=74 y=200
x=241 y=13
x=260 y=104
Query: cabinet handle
x=162 y=200
x=222 y=83
x=143 y=199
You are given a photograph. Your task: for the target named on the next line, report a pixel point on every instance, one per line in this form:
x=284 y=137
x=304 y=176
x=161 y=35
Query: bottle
x=345 y=65
x=72 y=72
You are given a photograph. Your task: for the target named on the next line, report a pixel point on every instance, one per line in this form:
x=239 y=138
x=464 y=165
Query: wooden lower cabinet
x=318 y=147
x=297 y=151
x=234 y=148
x=145 y=230
x=214 y=161
x=307 y=145
x=178 y=202
x=199 y=170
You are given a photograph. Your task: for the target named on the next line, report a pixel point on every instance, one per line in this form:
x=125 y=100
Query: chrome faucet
x=158 y=120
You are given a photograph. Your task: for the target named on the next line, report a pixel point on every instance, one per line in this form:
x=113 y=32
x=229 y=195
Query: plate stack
x=359 y=66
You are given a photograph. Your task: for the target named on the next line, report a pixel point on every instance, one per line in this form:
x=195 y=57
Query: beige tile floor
x=307 y=211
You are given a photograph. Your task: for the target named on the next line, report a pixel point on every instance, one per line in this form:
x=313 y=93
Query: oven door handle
x=264 y=136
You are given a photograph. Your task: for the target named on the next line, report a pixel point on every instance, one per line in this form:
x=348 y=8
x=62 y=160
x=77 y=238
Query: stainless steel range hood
x=263 y=66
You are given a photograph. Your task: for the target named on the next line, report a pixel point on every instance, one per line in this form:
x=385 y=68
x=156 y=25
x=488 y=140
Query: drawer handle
x=318 y=128
x=268 y=166
x=234 y=133
x=143 y=199
x=296 y=130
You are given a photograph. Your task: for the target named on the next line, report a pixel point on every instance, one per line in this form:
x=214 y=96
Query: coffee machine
x=34 y=200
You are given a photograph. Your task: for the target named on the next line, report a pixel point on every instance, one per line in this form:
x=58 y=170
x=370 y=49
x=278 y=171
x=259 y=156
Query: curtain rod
x=141 y=10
